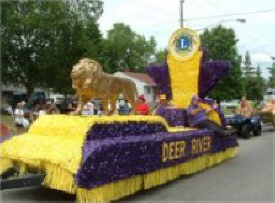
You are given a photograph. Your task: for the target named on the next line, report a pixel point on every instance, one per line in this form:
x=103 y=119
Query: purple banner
x=111 y=159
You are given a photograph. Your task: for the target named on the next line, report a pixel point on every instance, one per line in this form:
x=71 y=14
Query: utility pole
x=181 y=13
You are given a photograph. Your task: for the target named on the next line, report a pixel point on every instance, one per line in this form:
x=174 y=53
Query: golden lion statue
x=90 y=81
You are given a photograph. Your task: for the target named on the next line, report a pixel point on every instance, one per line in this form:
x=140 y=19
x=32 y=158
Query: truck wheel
x=245 y=131
x=258 y=131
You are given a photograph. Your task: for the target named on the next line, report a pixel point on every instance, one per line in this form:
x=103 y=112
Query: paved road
x=247 y=177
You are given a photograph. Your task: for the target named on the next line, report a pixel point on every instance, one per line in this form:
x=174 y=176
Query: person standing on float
x=164 y=104
x=142 y=107
x=123 y=107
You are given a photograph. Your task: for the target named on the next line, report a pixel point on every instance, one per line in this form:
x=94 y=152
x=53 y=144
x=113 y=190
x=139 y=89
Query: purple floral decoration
x=210 y=74
x=160 y=74
x=112 y=159
x=131 y=128
x=174 y=117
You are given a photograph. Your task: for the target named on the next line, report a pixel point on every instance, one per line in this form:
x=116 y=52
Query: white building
x=144 y=83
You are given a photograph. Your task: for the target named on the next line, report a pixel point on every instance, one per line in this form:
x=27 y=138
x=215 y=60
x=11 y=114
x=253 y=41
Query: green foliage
x=221 y=45
x=248 y=69
x=271 y=82
x=247 y=61
x=41 y=40
x=251 y=86
x=259 y=86
x=124 y=48
x=254 y=83
x=161 y=56
x=87 y=10
x=255 y=90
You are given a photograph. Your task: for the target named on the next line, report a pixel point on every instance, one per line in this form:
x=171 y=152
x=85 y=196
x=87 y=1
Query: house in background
x=144 y=83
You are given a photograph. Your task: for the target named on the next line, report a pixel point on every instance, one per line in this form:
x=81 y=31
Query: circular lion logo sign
x=184 y=43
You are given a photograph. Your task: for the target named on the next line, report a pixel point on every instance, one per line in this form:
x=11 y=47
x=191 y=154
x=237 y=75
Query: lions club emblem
x=183 y=44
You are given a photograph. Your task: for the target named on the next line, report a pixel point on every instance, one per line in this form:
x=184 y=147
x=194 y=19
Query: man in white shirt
x=20 y=119
x=88 y=109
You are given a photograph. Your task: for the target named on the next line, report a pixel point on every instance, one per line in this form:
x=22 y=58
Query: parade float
x=109 y=157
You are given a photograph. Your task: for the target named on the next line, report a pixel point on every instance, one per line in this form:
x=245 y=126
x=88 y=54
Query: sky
x=160 y=18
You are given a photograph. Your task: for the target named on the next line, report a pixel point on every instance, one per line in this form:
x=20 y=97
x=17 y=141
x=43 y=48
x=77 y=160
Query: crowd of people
x=23 y=116
x=197 y=117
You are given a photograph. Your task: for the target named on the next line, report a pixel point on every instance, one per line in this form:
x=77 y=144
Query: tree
x=87 y=10
x=221 y=45
x=161 y=56
x=255 y=86
x=271 y=82
x=261 y=83
x=41 y=40
x=248 y=71
x=124 y=48
x=248 y=68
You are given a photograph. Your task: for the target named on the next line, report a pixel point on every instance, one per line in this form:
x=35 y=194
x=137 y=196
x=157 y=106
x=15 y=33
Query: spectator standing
x=35 y=111
x=100 y=110
x=53 y=110
x=163 y=104
x=123 y=107
x=217 y=105
x=110 y=110
x=9 y=110
x=19 y=114
x=88 y=109
x=48 y=106
x=157 y=104
x=142 y=107
x=42 y=111
x=128 y=107
x=95 y=107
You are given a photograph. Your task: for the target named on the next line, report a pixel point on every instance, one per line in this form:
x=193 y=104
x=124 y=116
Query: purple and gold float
x=109 y=157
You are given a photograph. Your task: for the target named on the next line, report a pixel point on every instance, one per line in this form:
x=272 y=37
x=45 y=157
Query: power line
x=233 y=14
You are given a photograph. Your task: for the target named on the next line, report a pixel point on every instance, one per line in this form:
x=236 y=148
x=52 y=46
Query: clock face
x=183 y=44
